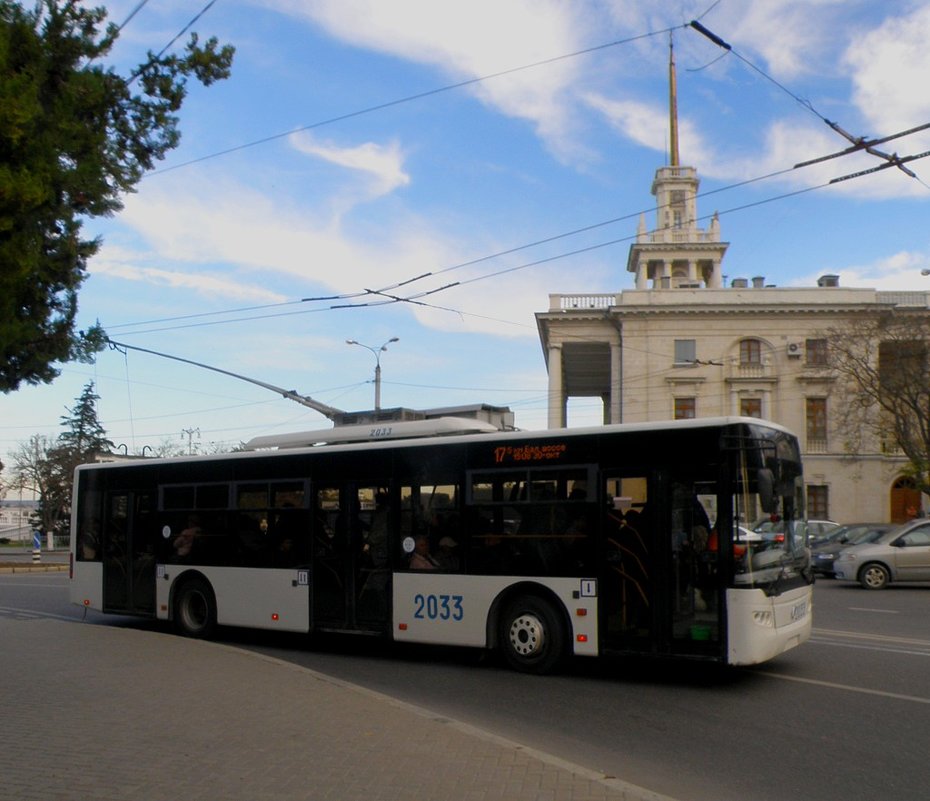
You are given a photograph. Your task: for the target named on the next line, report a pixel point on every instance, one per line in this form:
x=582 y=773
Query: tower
x=676 y=254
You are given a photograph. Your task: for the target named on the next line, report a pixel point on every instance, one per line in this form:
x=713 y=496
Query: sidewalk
x=104 y=712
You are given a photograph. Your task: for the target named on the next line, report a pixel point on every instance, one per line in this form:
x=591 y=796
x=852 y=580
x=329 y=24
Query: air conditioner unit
x=794 y=350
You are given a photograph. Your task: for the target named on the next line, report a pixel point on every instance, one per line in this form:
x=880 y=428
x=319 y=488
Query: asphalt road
x=847 y=716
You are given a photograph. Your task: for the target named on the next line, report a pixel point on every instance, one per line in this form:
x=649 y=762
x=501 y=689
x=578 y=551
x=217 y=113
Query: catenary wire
x=410 y=98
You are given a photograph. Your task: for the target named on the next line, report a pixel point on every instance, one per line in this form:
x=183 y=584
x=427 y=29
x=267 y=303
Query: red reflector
x=402 y=626
x=87 y=602
x=581 y=612
x=274 y=615
x=582 y=638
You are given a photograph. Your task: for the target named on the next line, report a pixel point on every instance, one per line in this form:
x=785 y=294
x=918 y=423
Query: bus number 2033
x=438 y=607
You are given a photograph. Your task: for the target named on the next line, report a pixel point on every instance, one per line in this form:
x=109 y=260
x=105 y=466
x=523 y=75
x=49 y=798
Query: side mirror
x=765 y=482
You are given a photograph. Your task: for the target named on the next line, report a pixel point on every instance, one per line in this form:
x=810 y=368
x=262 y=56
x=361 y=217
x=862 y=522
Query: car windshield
x=864 y=535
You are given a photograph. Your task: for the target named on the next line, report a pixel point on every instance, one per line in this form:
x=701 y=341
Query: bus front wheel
x=532 y=636
x=195 y=609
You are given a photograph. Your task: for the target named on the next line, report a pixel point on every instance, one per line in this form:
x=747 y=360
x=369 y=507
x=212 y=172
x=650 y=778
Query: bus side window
x=431 y=511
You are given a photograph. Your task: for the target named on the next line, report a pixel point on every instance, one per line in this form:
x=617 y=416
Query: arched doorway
x=905 y=500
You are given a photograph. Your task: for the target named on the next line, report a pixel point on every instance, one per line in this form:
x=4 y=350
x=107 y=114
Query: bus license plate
x=799 y=611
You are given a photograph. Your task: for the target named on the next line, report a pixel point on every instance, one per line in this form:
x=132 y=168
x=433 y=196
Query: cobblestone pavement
x=104 y=712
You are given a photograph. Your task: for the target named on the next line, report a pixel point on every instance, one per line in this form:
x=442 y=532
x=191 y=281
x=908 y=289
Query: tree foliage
x=47 y=466
x=74 y=137
x=882 y=394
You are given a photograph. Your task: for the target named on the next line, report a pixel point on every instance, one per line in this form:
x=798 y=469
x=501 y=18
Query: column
x=556 y=388
x=665 y=281
x=614 y=410
x=692 y=272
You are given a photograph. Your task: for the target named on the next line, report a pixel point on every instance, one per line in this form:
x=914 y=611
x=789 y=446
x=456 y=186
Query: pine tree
x=84 y=437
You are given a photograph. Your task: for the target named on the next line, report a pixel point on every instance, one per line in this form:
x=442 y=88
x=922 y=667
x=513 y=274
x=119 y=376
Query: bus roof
x=418 y=432
x=374 y=432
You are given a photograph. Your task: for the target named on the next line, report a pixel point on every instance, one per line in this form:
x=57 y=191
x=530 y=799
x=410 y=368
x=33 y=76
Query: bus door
x=696 y=595
x=629 y=580
x=129 y=540
x=661 y=585
x=351 y=581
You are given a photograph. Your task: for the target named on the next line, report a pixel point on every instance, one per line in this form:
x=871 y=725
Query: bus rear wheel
x=532 y=636
x=195 y=610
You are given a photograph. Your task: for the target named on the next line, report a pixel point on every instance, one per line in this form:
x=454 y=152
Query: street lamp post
x=377 y=354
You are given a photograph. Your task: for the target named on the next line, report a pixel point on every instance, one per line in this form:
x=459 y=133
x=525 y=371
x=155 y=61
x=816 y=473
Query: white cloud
x=472 y=40
x=889 y=68
x=383 y=165
x=111 y=265
x=899 y=272
x=223 y=223
x=647 y=125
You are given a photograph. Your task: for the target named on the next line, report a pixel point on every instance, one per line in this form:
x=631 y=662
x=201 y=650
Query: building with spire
x=681 y=344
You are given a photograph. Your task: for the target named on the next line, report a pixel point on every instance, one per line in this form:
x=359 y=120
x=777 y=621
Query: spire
x=672 y=104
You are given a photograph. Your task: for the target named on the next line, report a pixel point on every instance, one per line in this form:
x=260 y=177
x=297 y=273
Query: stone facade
x=682 y=345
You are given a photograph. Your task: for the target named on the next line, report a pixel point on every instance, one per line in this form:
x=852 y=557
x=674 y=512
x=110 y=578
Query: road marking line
x=877 y=611
x=883 y=648
x=834 y=686
x=855 y=635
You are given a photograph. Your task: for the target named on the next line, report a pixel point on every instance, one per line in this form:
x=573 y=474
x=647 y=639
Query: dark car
x=825 y=551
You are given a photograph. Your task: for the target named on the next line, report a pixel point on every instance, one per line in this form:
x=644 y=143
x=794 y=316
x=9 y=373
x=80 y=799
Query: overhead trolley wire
x=410 y=98
x=385 y=297
x=858 y=142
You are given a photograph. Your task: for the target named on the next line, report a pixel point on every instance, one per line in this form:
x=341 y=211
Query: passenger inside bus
x=421 y=559
x=185 y=541
x=448 y=557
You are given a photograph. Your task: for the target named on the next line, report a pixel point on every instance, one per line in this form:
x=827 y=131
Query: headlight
x=763 y=619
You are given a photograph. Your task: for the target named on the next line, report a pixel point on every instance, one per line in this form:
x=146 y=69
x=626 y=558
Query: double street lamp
x=377 y=354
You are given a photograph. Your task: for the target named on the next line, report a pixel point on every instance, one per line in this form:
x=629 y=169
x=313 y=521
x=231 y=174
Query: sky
x=470 y=158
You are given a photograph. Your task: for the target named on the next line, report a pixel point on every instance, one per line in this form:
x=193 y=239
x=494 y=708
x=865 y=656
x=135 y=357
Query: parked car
x=825 y=550
x=775 y=529
x=901 y=554
x=745 y=535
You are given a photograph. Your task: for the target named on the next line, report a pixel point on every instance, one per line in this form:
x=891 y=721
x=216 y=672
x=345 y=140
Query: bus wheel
x=195 y=609
x=873 y=576
x=532 y=636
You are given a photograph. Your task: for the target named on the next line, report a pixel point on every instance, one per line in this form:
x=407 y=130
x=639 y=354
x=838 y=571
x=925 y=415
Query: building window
x=750 y=407
x=685 y=408
x=816 y=352
x=816 y=424
x=818 y=502
x=750 y=351
x=685 y=351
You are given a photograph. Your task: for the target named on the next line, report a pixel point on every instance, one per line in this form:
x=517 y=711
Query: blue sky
x=343 y=199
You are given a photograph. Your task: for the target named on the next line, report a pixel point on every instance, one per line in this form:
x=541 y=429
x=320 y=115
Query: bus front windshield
x=769 y=534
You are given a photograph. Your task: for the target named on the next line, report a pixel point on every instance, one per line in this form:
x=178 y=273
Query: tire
x=195 y=610
x=874 y=576
x=532 y=636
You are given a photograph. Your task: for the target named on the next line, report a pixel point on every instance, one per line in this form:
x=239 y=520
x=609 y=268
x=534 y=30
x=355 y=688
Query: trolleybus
x=619 y=539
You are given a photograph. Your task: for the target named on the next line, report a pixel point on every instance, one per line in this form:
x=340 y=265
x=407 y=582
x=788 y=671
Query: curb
x=31 y=568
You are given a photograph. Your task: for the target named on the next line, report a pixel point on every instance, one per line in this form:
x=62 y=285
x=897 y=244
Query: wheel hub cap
x=527 y=635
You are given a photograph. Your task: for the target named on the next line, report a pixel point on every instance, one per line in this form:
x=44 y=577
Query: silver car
x=901 y=554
